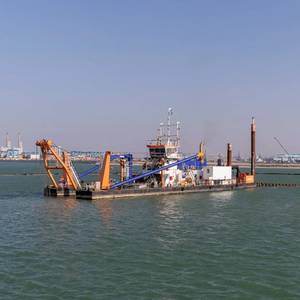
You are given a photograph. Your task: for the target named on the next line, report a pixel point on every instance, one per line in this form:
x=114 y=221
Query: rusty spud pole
x=253 y=147
x=229 y=155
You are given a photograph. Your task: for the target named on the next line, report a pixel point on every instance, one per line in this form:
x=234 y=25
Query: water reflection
x=70 y=203
x=105 y=210
x=171 y=216
x=60 y=207
x=221 y=198
x=170 y=209
x=220 y=216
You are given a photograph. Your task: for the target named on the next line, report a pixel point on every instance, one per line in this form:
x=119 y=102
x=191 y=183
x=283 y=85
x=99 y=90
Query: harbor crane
x=290 y=159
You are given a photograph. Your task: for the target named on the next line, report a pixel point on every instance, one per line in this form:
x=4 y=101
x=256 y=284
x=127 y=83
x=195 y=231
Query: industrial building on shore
x=287 y=158
x=8 y=151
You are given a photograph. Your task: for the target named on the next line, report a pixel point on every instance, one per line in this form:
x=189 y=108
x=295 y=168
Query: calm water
x=228 y=245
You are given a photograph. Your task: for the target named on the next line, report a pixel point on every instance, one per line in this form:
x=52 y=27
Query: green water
x=227 y=245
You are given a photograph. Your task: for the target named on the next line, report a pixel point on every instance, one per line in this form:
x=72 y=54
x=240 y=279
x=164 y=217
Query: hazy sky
x=101 y=75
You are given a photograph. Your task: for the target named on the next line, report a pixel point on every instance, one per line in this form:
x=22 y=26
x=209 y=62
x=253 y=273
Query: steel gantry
x=51 y=152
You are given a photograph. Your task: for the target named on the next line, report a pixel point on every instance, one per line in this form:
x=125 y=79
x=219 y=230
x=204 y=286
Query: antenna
x=158 y=137
x=178 y=133
x=161 y=126
x=170 y=112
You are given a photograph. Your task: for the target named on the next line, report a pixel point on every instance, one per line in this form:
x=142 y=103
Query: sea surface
x=221 y=245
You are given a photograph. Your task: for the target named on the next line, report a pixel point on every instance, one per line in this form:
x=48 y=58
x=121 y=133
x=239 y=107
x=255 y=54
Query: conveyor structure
x=127 y=157
x=199 y=156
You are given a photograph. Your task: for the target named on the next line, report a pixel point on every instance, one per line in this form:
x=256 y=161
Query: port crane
x=284 y=149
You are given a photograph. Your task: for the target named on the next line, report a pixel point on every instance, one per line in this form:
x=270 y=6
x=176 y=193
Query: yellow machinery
x=63 y=163
x=124 y=161
x=201 y=153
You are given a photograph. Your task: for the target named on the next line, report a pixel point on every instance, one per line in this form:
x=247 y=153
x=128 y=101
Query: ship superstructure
x=165 y=150
x=166 y=146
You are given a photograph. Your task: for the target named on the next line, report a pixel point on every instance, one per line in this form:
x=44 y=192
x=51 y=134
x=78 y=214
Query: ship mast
x=178 y=134
x=161 y=132
x=170 y=112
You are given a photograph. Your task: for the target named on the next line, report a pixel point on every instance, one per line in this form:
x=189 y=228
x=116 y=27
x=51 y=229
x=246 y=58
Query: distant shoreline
x=140 y=162
x=268 y=165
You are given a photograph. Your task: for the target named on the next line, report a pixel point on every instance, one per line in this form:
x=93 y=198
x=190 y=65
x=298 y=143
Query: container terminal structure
x=165 y=171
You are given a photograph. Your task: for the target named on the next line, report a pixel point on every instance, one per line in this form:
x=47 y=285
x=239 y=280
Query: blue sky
x=102 y=74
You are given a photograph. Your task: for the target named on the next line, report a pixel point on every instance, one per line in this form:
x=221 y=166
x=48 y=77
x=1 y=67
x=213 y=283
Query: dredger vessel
x=164 y=171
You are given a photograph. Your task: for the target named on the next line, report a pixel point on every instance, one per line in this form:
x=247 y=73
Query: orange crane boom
x=63 y=163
